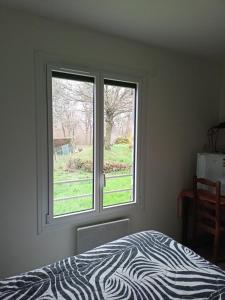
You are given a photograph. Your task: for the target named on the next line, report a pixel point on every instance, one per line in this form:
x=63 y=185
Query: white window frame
x=44 y=65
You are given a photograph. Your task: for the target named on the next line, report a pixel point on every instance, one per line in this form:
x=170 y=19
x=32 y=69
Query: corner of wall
x=222 y=96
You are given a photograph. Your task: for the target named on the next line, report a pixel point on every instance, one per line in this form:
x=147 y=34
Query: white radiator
x=89 y=237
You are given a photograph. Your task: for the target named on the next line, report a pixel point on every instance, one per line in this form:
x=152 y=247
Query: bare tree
x=67 y=95
x=118 y=101
x=64 y=107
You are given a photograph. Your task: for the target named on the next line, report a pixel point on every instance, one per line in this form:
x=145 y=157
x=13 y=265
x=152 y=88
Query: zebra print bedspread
x=145 y=265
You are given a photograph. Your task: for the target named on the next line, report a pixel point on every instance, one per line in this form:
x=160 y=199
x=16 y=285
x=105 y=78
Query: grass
x=118 y=153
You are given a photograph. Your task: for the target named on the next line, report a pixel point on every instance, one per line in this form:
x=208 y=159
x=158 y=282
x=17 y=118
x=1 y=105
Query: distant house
x=62 y=146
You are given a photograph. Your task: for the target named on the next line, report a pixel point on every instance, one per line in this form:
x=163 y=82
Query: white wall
x=182 y=102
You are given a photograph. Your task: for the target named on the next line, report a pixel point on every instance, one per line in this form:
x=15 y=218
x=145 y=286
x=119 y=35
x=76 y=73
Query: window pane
x=119 y=142
x=72 y=117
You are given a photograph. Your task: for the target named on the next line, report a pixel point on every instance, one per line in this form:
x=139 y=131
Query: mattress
x=145 y=265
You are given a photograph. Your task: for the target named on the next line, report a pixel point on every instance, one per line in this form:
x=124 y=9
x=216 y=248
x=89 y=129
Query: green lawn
x=118 y=153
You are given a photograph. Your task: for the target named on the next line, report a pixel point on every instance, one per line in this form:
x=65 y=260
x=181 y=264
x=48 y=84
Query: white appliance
x=212 y=166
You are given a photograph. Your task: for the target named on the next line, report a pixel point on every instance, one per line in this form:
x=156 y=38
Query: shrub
x=74 y=164
x=110 y=166
x=78 y=164
x=122 y=140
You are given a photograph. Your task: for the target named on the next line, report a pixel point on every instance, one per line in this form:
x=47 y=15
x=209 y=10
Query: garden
x=73 y=180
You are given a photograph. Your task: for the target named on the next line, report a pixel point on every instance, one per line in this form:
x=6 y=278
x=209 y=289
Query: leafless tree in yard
x=118 y=101
x=64 y=107
x=70 y=98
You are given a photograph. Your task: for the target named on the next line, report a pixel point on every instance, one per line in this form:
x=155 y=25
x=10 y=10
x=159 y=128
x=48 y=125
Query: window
x=88 y=144
x=72 y=116
x=119 y=142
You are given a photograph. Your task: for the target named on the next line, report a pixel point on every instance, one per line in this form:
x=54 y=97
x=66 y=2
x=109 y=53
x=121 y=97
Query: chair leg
x=194 y=235
x=195 y=226
x=216 y=246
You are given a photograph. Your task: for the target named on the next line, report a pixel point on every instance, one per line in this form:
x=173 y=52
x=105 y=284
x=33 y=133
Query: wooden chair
x=208 y=205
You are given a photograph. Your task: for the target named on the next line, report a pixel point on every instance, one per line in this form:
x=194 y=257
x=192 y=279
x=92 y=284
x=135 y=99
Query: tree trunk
x=108 y=133
x=128 y=128
x=64 y=131
x=86 y=132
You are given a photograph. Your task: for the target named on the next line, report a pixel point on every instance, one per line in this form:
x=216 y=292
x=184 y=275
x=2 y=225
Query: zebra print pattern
x=145 y=265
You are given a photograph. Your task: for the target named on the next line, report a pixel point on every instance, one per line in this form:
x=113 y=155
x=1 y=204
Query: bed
x=145 y=265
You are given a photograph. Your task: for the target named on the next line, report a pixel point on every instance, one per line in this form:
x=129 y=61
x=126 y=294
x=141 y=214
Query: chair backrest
x=212 y=190
x=207 y=209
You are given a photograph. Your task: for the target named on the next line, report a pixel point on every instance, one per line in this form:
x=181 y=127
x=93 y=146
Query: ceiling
x=193 y=26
